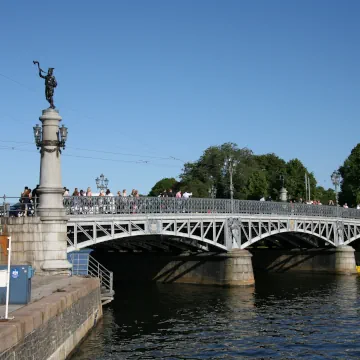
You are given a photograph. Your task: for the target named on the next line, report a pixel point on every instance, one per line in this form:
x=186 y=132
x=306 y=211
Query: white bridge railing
x=82 y=205
x=91 y=267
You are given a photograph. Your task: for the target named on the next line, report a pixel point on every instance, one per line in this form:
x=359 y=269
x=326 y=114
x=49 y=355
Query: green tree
x=350 y=173
x=257 y=185
x=163 y=184
x=212 y=169
x=324 y=195
x=273 y=166
x=295 y=180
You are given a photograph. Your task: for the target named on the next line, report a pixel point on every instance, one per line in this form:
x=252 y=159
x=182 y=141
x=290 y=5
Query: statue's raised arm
x=50 y=83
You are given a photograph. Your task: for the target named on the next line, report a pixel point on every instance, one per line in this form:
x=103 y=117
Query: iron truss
x=212 y=232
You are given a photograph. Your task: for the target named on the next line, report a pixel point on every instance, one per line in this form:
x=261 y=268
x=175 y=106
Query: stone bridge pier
x=41 y=240
x=226 y=269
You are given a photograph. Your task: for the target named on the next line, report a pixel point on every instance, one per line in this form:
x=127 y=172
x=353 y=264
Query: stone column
x=345 y=260
x=51 y=209
x=283 y=194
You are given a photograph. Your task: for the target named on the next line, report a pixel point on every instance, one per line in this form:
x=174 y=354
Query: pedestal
x=238 y=270
x=345 y=260
x=51 y=209
x=283 y=194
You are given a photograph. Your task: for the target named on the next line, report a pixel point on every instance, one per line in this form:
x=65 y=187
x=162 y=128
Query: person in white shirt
x=186 y=195
x=345 y=206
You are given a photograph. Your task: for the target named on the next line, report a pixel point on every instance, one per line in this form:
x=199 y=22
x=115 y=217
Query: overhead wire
x=13 y=148
x=101 y=151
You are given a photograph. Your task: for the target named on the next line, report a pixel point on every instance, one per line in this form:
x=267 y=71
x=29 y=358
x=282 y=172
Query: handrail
x=96 y=205
x=93 y=268
x=118 y=205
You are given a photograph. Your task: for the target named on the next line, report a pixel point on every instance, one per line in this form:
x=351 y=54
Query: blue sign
x=15 y=274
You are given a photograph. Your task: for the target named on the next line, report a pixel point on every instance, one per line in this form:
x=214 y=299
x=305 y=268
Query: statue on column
x=50 y=83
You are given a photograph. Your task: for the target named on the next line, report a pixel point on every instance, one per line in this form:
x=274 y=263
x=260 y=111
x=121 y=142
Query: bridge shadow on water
x=152 y=267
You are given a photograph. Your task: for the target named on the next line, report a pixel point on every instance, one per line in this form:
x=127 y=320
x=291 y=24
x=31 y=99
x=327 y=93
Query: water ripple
x=287 y=316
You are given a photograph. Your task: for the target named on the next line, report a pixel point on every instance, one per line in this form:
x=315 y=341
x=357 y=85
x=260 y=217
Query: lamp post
x=212 y=191
x=230 y=164
x=59 y=143
x=336 y=178
x=102 y=182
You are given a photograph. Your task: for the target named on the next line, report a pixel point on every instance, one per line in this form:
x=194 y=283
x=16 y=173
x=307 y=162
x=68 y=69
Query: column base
x=55 y=267
x=238 y=268
x=345 y=260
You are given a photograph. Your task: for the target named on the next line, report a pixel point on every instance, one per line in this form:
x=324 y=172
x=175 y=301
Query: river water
x=286 y=316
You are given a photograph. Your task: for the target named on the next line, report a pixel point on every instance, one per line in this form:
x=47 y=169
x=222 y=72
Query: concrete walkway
x=43 y=286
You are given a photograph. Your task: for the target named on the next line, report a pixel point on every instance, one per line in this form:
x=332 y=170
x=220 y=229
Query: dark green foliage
x=350 y=173
x=163 y=184
x=254 y=176
x=324 y=195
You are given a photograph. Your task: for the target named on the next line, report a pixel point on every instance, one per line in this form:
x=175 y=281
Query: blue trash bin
x=20 y=284
x=80 y=261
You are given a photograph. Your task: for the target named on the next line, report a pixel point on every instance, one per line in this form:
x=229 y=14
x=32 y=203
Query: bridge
x=205 y=225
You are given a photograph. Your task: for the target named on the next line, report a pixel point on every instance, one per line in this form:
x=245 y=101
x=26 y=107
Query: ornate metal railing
x=96 y=205
x=18 y=206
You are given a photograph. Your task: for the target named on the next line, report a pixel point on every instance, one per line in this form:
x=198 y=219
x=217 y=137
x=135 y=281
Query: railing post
x=111 y=281
x=4 y=209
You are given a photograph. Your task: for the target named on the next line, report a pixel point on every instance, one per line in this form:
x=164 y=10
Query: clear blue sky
x=170 y=78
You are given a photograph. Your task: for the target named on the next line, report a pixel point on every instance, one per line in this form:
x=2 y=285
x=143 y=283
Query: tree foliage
x=163 y=184
x=254 y=176
x=350 y=173
x=324 y=195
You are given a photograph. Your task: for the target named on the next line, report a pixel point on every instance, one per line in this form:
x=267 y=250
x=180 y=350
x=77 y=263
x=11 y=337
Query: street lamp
x=282 y=179
x=41 y=143
x=212 y=191
x=335 y=179
x=102 y=182
x=230 y=164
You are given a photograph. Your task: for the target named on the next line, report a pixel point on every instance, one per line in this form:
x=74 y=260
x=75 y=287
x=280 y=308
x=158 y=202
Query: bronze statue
x=50 y=84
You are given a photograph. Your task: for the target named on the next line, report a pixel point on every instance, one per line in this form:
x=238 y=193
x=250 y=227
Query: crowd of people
x=134 y=193
x=318 y=202
x=29 y=196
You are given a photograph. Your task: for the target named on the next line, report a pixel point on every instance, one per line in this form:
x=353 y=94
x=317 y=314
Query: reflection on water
x=286 y=316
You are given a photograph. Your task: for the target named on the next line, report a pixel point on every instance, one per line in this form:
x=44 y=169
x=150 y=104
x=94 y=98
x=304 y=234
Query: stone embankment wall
x=52 y=327
x=32 y=238
x=339 y=260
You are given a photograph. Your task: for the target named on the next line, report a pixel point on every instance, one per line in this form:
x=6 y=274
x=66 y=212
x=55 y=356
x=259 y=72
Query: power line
x=13 y=148
x=102 y=151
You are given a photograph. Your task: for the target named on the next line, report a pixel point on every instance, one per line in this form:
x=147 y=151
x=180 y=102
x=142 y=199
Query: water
x=287 y=316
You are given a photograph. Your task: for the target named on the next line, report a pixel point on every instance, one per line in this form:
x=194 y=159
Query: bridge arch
x=107 y=238
x=283 y=231
x=206 y=231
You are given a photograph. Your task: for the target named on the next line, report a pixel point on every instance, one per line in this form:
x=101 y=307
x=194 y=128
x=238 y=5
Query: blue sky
x=166 y=79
